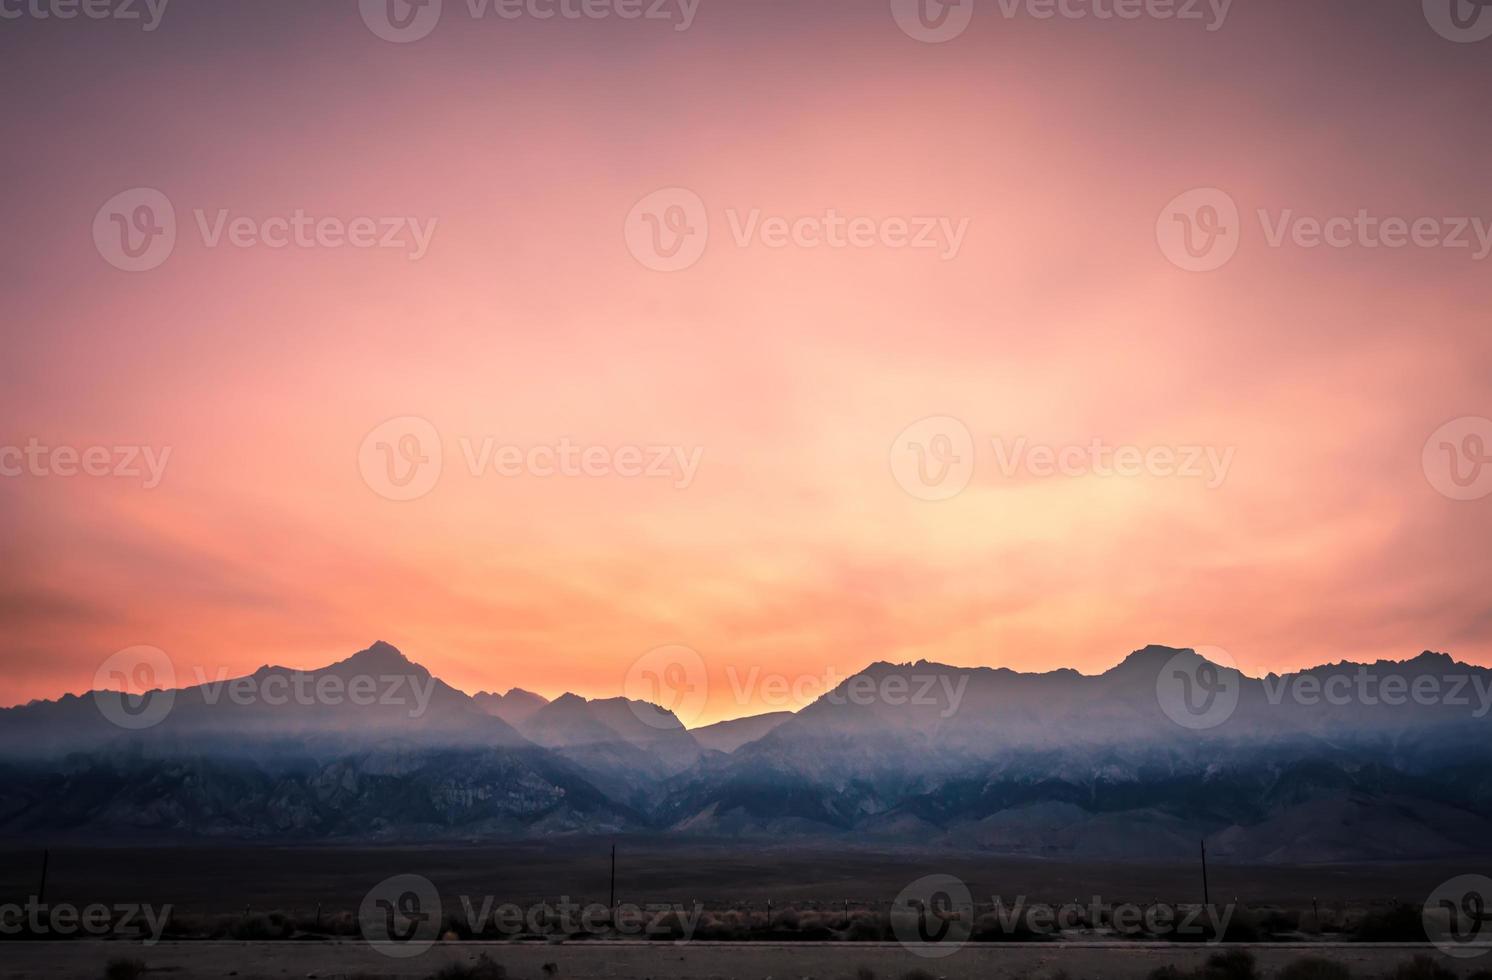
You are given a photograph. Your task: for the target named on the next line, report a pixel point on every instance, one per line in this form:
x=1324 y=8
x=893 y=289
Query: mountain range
x=1123 y=765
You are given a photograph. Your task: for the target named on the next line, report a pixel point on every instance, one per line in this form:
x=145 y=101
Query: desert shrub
x=1166 y=973
x=1399 y=924
x=124 y=969
x=864 y=928
x=989 y=928
x=483 y=969
x=1235 y=964
x=1422 y=968
x=1274 y=921
x=1315 y=968
x=666 y=925
x=1243 y=927
x=718 y=927
x=454 y=927
x=261 y=927
x=341 y=924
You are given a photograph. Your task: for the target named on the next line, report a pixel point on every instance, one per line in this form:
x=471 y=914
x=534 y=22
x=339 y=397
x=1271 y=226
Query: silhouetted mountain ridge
x=1041 y=763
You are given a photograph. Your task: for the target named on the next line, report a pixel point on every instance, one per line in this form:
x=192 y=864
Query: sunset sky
x=794 y=549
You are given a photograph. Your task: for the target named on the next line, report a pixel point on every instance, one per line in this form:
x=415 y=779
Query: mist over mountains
x=1343 y=762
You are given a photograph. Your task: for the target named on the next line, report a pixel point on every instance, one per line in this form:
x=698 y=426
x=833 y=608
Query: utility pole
x=612 y=906
x=1206 y=894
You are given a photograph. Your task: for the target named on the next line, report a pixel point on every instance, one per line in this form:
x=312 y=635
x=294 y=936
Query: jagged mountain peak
x=381 y=657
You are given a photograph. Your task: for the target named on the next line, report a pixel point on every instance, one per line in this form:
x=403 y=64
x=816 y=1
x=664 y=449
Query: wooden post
x=1206 y=893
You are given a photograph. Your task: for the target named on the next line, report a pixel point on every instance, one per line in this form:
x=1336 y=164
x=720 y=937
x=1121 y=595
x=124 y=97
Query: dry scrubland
x=251 y=912
x=327 y=961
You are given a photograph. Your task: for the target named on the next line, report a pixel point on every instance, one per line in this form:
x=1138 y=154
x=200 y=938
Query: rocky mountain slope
x=1134 y=763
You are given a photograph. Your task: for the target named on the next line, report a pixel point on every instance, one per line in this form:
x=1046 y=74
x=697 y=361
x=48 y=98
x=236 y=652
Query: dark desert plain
x=225 y=893
x=718 y=874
